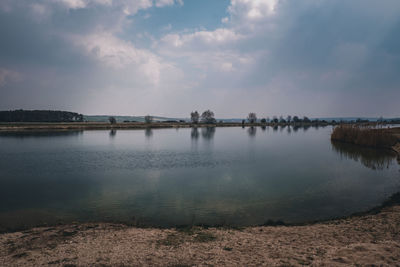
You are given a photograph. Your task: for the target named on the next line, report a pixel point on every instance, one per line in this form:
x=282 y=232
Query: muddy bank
x=368 y=239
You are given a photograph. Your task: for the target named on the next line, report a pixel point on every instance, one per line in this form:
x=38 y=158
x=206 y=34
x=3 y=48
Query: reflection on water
x=376 y=159
x=194 y=134
x=165 y=177
x=113 y=132
x=252 y=131
x=148 y=132
x=208 y=132
x=40 y=134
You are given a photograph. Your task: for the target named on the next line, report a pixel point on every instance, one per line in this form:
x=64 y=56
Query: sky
x=316 y=58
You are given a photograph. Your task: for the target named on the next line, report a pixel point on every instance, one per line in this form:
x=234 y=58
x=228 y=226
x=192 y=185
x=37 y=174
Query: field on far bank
x=365 y=240
x=106 y=126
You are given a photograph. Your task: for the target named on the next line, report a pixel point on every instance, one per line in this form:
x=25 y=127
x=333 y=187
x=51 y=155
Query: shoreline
x=28 y=126
x=358 y=239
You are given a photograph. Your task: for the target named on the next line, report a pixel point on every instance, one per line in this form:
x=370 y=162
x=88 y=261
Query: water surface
x=168 y=177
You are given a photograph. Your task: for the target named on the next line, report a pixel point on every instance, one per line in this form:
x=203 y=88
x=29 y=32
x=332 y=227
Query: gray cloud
x=315 y=58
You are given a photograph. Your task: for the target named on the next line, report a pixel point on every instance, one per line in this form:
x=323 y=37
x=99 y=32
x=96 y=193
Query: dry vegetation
x=365 y=136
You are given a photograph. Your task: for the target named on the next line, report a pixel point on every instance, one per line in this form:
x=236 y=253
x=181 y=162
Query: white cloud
x=252 y=9
x=129 y=7
x=219 y=36
x=124 y=56
x=74 y=4
x=7 y=76
x=162 y=3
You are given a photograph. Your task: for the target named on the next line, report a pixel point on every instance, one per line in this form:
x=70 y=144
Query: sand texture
x=361 y=240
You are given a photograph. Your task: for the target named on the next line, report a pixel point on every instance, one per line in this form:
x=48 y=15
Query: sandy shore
x=361 y=240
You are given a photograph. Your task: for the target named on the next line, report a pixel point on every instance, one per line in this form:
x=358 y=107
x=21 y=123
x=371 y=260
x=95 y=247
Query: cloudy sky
x=169 y=57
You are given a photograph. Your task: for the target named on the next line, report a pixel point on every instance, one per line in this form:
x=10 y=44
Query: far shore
x=22 y=126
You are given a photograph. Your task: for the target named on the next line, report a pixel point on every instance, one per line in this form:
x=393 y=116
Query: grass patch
x=172 y=240
x=204 y=237
x=182 y=235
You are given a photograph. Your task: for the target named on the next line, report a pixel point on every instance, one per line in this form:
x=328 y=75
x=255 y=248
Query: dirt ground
x=363 y=240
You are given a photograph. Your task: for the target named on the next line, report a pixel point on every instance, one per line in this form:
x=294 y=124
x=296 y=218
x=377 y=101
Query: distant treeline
x=39 y=116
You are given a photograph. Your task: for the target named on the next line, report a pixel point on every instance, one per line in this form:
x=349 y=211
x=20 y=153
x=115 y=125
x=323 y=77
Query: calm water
x=168 y=177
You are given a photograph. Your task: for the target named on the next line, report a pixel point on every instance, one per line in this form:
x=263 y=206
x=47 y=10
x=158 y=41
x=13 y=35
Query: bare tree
x=208 y=117
x=252 y=117
x=112 y=120
x=148 y=119
x=289 y=119
x=194 y=116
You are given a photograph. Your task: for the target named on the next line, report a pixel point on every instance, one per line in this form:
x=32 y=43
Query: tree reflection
x=148 y=132
x=113 y=133
x=289 y=130
x=376 y=159
x=194 y=133
x=208 y=133
x=252 y=131
x=40 y=134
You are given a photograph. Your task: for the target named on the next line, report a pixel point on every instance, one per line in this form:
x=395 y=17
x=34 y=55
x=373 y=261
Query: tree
x=148 y=119
x=112 y=120
x=306 y=119
x=296 y=119
x=194 y=116
x=275 y=119
x=252 y=117
x=39 y=116
x=263 y=120
x=289 y=119
x=208 y=117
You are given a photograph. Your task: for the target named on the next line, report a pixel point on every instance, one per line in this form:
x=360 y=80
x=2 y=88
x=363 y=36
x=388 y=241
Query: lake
x=188 y=176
